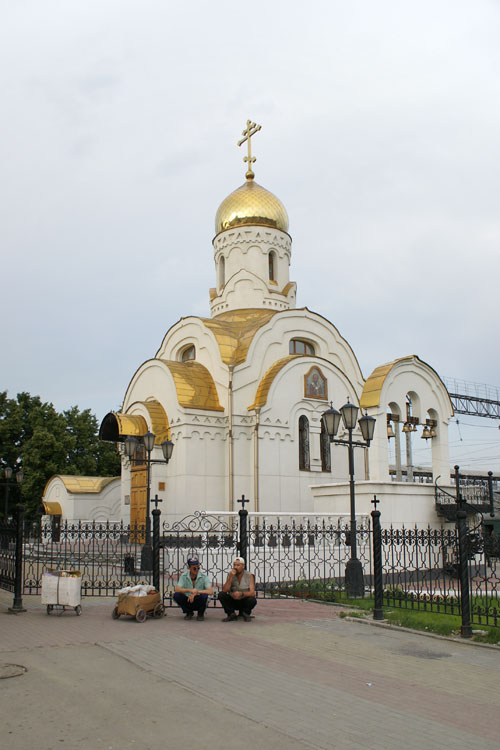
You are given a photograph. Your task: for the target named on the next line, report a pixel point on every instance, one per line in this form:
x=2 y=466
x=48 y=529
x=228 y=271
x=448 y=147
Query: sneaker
x=247 y=618
x=200 y=616
x=188 y=615
x=230 y=618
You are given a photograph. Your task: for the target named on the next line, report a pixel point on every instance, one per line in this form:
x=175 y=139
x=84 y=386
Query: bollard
x=17 y=605
x=243 y=541
x=463 y=572
x=378 y=613
x=129 y=565
x=156 y=548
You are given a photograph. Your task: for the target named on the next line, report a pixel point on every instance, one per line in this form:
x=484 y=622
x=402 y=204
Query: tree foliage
x=36 y=438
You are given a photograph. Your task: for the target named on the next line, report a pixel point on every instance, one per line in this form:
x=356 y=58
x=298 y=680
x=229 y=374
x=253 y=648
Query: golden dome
x=251 y=204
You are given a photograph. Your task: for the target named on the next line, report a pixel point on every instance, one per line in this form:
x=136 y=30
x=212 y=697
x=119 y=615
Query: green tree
x=34 y=437
x=89 y=456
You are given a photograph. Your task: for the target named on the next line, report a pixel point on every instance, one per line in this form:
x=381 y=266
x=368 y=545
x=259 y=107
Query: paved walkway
x=297 y=676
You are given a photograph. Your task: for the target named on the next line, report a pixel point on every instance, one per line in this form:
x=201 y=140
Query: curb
x=426 y=634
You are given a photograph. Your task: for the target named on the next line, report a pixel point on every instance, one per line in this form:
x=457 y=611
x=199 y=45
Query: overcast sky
x=380 y=134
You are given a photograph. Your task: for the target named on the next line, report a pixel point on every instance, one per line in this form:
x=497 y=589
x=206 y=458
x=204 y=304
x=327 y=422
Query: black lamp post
x=8 y=475
x=331 y=419
x=131 y=445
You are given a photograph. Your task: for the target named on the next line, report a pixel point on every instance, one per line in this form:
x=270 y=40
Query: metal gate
x=213 y=539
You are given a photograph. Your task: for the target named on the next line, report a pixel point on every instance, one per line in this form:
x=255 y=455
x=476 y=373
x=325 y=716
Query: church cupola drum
x=252 y=247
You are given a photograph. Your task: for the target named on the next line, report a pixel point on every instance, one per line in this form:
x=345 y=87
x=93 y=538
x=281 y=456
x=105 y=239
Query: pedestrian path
x=297 y=676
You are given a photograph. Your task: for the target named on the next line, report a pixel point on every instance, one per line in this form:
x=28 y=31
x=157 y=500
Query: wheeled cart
x=139 y=606
x=61 y=591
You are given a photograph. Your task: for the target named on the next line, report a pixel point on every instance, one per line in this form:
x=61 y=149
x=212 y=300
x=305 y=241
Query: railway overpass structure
x=474 y=399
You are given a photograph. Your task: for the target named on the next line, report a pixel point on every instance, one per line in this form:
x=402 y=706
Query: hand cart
x=61 y=590
x=139 y=606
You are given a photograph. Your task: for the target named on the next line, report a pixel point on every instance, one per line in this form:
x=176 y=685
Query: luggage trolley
x=61 y=590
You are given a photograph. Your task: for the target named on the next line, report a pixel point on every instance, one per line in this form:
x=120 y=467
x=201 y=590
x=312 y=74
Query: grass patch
x=427 y=621
x=360 y=615
x=408 y=617
x=492 y=636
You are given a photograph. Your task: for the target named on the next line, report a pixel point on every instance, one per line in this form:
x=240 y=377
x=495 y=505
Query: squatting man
x=237 y=595
x=238 y=592
x=192 y=591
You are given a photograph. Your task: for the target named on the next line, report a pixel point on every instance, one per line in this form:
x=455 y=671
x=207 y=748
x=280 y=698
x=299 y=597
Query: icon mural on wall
x=315 y=385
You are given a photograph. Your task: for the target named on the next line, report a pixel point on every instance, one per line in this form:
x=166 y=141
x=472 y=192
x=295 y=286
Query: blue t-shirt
x=202 y=581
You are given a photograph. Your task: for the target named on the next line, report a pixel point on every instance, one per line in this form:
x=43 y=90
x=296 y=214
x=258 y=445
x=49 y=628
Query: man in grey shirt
x=238 y=592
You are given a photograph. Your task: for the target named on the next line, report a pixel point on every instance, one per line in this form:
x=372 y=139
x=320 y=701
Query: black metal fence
x=453 y=570
x=303 y=558
x=8 y=533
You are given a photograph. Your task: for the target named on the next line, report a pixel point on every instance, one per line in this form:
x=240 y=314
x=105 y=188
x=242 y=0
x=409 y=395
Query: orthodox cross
x=157 y=500
x=243 y=500
x=252 y=128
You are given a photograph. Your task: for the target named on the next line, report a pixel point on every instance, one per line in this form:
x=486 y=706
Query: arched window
x=188 y=353
x=304 y=453
x=222 y=271
x=272 y=266
x=299 y=346
x=326 y=454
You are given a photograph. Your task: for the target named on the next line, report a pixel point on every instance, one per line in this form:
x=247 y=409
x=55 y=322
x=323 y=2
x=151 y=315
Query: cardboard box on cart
x=62 y=588
x=128 y=604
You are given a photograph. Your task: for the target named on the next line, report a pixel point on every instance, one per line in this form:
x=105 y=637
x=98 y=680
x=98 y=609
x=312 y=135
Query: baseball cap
x=239 y=560
x=193 y=561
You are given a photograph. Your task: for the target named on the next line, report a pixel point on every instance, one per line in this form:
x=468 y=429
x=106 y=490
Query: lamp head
x=130 y=445
x=167 y=447
x=331 y=420
x=149 y=441
x=367 y=426
x=349 y=415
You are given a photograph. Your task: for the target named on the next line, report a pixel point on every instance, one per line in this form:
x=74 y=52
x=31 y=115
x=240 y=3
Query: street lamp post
x=131 y=445
x=331 y=419
x=8 y=475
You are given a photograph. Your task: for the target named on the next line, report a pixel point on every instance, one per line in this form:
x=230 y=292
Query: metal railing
x=454 y=570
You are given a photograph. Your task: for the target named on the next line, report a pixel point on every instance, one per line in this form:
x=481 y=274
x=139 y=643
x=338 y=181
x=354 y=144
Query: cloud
x=380 y=135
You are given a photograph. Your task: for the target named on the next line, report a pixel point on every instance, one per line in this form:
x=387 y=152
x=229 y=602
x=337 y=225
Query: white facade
x=84 y=499
x=234 y=392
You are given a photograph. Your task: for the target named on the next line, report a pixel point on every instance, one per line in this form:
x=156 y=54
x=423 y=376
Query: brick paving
x=297 y=676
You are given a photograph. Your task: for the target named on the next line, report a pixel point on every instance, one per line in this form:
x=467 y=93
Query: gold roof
x=116 y=425
x=194 y=385
x=234 y=331
x=52 y=509
x=251 y=204
x=159 y=421
x=131 y=424
x=80 y=485
x=267 y=380
x=373 y=386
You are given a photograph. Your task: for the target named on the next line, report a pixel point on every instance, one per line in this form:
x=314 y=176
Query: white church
x=241 y=393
